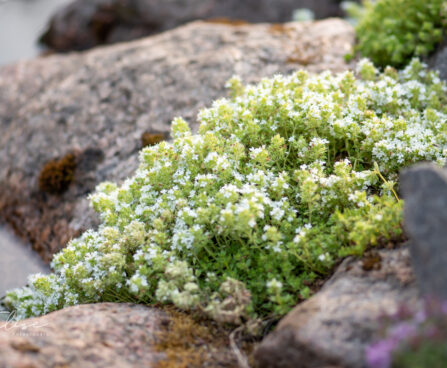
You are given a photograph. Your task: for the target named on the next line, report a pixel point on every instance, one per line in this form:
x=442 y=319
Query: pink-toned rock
x=333 y=327
x=87 y=336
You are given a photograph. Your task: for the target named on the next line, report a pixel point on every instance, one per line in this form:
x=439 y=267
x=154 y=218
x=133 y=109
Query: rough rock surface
x=438 y=60
x=83 y=24
x=114 y=335
x=333 y=327
x=97 y=335
x=424 y=189
x=97 y=104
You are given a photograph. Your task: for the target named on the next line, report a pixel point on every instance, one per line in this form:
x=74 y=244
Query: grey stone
x=5 y=314
x=424 y=189
x=97 y=104
x=438 y=61
x=17 y=261
x=83 y=24
x=333 y=327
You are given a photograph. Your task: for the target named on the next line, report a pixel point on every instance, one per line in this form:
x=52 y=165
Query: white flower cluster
x=258 y=196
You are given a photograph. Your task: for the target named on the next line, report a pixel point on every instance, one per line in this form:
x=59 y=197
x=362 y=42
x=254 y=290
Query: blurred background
x=29 y=27
x=21 y=22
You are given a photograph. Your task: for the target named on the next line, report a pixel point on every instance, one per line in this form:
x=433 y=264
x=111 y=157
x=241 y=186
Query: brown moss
x=150 y=139
x=192 y=342
x=57 y=175
x=279 y=28
x=227 y=21
x=371 y=261
x=302 y=60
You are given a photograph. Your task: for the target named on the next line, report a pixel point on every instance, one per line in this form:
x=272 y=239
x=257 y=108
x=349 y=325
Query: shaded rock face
x=97 y=335
x=333 y=327
x=424 y=188
x=86 y=23
x=438 y=60
x=96 y=106
x=16 y=263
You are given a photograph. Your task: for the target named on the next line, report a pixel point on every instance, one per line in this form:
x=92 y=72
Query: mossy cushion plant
x=391 y=32
x=238 y=220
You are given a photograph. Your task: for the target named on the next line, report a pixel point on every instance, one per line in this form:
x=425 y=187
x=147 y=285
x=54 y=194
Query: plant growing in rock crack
x=236 y=221
x=391 y=32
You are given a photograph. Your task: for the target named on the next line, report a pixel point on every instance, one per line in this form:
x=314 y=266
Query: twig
x=377 y=170
x=241 y=358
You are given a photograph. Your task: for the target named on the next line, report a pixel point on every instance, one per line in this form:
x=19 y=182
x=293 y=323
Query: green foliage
x=354 y=11
x=391 y=32
x=237 y=221
x=431 y=354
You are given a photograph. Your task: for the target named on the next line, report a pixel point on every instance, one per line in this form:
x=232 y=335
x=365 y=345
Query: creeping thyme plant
x=391 y=32
x=238 y=220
